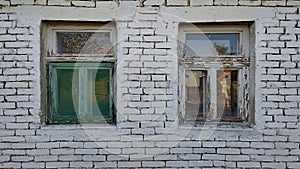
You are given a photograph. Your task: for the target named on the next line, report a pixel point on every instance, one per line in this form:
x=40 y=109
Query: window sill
x=78 y=126
x=228 y=126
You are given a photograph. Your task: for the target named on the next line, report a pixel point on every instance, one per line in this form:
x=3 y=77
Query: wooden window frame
x=83 y=62
x=53 y=116
x=211 y=64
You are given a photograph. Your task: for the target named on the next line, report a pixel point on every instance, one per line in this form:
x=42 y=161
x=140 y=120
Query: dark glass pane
x=227 y=93
x=83 y=42
x=196 y=93
x=67 y=92
x=99 y=93
x=212 y=44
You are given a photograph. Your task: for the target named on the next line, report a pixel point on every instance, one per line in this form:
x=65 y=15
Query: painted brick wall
x=148 y=133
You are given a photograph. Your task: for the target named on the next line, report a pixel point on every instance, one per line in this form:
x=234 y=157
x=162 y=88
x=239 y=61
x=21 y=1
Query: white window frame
x=53 y=29
x=201 y=63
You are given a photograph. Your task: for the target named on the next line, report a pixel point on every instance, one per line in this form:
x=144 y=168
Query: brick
x=4 y=159
x=59 y=3
x=33 y=165
x=156 y=151
x=45 y=158
x=225 y=2
x=282 y=145
x=13 y=152
x=21 y=158
x=40 y=2
x=16 y=71
x=57 y=164
x=11 y=165
x=23 y=145
x=155 y=38
x=214 y=144
x=155 y=52
x=275 y=30
x=35 y=152
x=153 y=164
x=70 y=158
x=189 y=157
x=105 y=164
x=118 y=157
x=94 y=158
x=139 y=25
x=145 y=131
x=16 y=85
x=5 y=24
x=86 y=151
x=252 y=151
x=277 y=152
x=43 y=145
x=287 y=158
x=250 y=3
x=161 y=157
x=200 y=164
x=201 y=2
x=129 y=164
x=81 y=164
x=237 y=158
x=213 y=157
x=61 y=151
x=22 y=2
x=83 y=4
x=177 y=164
x=7 y=119
x=228 y=151
x=181 y=150
x=16 y=44
x=249 y=164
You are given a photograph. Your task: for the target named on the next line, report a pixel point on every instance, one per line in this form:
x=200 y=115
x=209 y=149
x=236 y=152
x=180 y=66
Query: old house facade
x=149 y=84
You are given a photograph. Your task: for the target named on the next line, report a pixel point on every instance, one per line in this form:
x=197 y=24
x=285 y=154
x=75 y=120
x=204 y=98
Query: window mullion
x=242 y=89
x=110 y=92
x=82 y=92
x=213 y=93
x=53 y=91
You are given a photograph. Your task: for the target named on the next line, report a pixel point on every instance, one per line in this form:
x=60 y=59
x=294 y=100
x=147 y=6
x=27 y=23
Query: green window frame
x=80 y=93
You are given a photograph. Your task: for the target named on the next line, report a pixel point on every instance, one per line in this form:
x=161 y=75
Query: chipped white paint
x=148 y=132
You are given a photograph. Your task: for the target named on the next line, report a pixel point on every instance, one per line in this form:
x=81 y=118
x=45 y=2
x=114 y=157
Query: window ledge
x=78 y=126
x=227 y=126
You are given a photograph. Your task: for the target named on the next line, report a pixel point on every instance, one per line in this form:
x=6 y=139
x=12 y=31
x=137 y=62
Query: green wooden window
x=80 y=93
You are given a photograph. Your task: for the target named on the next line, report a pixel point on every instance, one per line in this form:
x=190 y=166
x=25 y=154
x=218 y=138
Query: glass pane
x=67 y=92
x=196 y=94
x=83 y=42
x=99 y=93
x=212 y=44
x=227 y=94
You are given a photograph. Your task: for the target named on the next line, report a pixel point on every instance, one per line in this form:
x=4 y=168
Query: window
x=79 y=66
x=214 y=72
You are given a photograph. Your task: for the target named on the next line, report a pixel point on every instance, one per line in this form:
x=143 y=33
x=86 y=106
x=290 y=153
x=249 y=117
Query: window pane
x=99 y=94
x=196 y=94
x=67 y=92
x=227 y=94
x=212 y=44
x=83 y=42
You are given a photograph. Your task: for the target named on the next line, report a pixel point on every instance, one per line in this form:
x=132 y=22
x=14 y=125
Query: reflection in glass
x=196 y=93
x=98 y=101
x=227 y=93
x=83 y=42
x=212 y=44
x=68 y=89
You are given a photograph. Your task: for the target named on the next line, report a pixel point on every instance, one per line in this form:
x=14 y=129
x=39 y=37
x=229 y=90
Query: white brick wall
x=148 y=133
